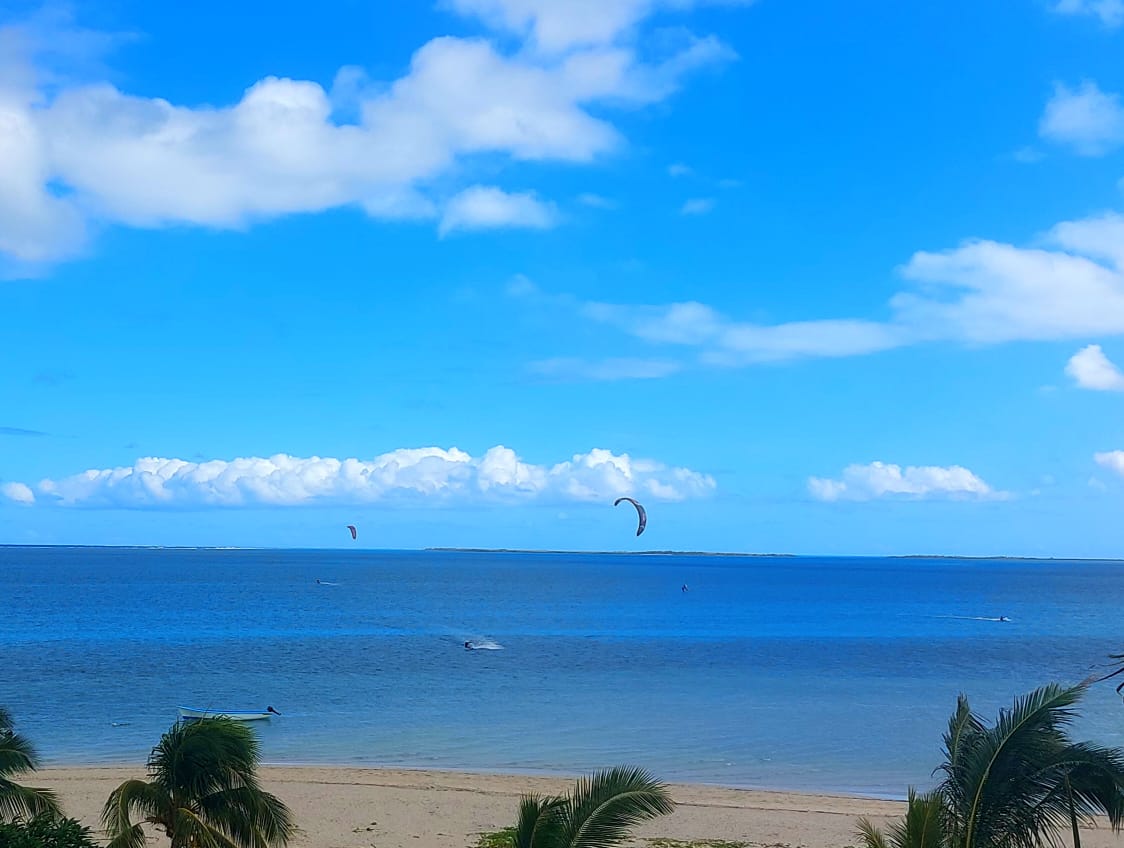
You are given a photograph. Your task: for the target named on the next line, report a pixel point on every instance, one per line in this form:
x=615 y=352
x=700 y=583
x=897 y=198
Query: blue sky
x=808 y=278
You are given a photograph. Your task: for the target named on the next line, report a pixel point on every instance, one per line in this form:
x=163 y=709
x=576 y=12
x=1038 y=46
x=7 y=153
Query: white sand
x=384 y=808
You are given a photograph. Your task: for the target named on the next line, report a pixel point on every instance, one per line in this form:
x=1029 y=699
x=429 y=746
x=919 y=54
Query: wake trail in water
x=1003 y=619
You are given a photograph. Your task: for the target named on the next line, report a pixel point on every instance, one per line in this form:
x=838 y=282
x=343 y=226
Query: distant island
x=615 y=553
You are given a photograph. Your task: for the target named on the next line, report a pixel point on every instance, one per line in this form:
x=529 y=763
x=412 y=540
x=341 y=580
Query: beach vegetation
x=599 y=812
x=46 y=831
x=202 y=791
x=1020 y=782
x=17 y=758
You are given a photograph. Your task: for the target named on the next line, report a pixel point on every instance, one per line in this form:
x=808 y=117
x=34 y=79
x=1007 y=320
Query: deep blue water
x=802 y=673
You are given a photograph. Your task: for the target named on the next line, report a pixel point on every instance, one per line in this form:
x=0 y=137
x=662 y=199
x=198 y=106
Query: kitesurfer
x=468 y=646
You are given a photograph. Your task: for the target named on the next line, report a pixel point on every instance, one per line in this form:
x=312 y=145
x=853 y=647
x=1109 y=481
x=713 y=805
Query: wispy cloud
x=596 y=201
x=408 y=476
x=489 y=208
x=1091 y=369
x=982 y=292
x=556 y=27
x=885 y=480
x=697 y=206
x=20 y=431
x=1110 y=12
x=679 y=169
x=1085 y=119
x=616 y=368
x=76 y=152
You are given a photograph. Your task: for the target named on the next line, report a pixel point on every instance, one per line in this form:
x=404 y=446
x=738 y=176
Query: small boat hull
x=233 y=715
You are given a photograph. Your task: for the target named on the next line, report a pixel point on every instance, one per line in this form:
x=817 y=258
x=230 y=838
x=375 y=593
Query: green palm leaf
x=203 y=791
x=603 y=808
x=18 y=757
x=540 y=823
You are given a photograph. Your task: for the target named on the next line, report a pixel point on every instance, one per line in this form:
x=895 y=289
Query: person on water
x=468 y=646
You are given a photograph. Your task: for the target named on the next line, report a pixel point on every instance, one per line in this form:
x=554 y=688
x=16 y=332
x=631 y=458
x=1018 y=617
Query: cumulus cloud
x=1091 y=369
x=409 y=475
x=1112 y=460
x=880 y=480
x=697 y=206
x=489 y=208
x=1110 y=12
x=1086 y=119
x=18 y=493
x=75 y=153
x=679 y=169
x=982 y=292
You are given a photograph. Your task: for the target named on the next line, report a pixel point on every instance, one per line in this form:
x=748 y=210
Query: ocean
x=822 y=674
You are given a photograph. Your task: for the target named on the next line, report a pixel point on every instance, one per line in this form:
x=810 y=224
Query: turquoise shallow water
x=799 y=673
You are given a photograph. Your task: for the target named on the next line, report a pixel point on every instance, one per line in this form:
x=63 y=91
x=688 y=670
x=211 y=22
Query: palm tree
x=1015 y=784
x=17 y=756
x=203 y=791
x=598 y=813
x=922 y=827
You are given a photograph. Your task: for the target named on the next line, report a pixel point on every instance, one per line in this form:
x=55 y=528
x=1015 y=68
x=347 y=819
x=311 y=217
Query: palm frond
x=17 y=754
x=539 y=824
x=871 y=835
x=150 y=800
x=23 y=802
x=603 y=808
x=192 y=830
x=195 y=759
x=249 y=815
x=923 y=825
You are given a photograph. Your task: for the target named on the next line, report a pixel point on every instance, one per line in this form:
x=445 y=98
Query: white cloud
x=596 y=201
x=405 y=476
x=880 y=479
x=617 y=368
x=1028 y=155
x=982 y=292
x=521 y=286
x=1110 y=12
x=72 y=154
x=1086 y=119
x=489 y=208
x=679 y=169
x=1091 y=369
x=1112 y=460
x=697 y=206
x=17 y=492
x=560 y=25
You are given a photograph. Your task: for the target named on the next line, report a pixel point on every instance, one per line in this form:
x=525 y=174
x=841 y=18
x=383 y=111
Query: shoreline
x=349 y=807
x=530 y=773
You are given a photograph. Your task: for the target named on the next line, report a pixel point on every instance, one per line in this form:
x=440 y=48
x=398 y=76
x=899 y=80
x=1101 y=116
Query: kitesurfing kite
x=351 y=527
x=640 y=512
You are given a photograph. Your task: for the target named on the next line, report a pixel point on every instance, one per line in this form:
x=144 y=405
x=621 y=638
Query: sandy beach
x=383 y=808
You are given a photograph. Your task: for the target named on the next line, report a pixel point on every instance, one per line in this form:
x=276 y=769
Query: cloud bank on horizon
x=418 y=476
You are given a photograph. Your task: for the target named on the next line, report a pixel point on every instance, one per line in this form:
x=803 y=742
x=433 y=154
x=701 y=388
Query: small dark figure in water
x=1004 y=618
x=468 y=646
x=270 y=709
x=317 y=579
x=684 y=589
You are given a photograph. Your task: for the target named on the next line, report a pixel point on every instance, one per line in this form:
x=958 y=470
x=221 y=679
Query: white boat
x=233 y=715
